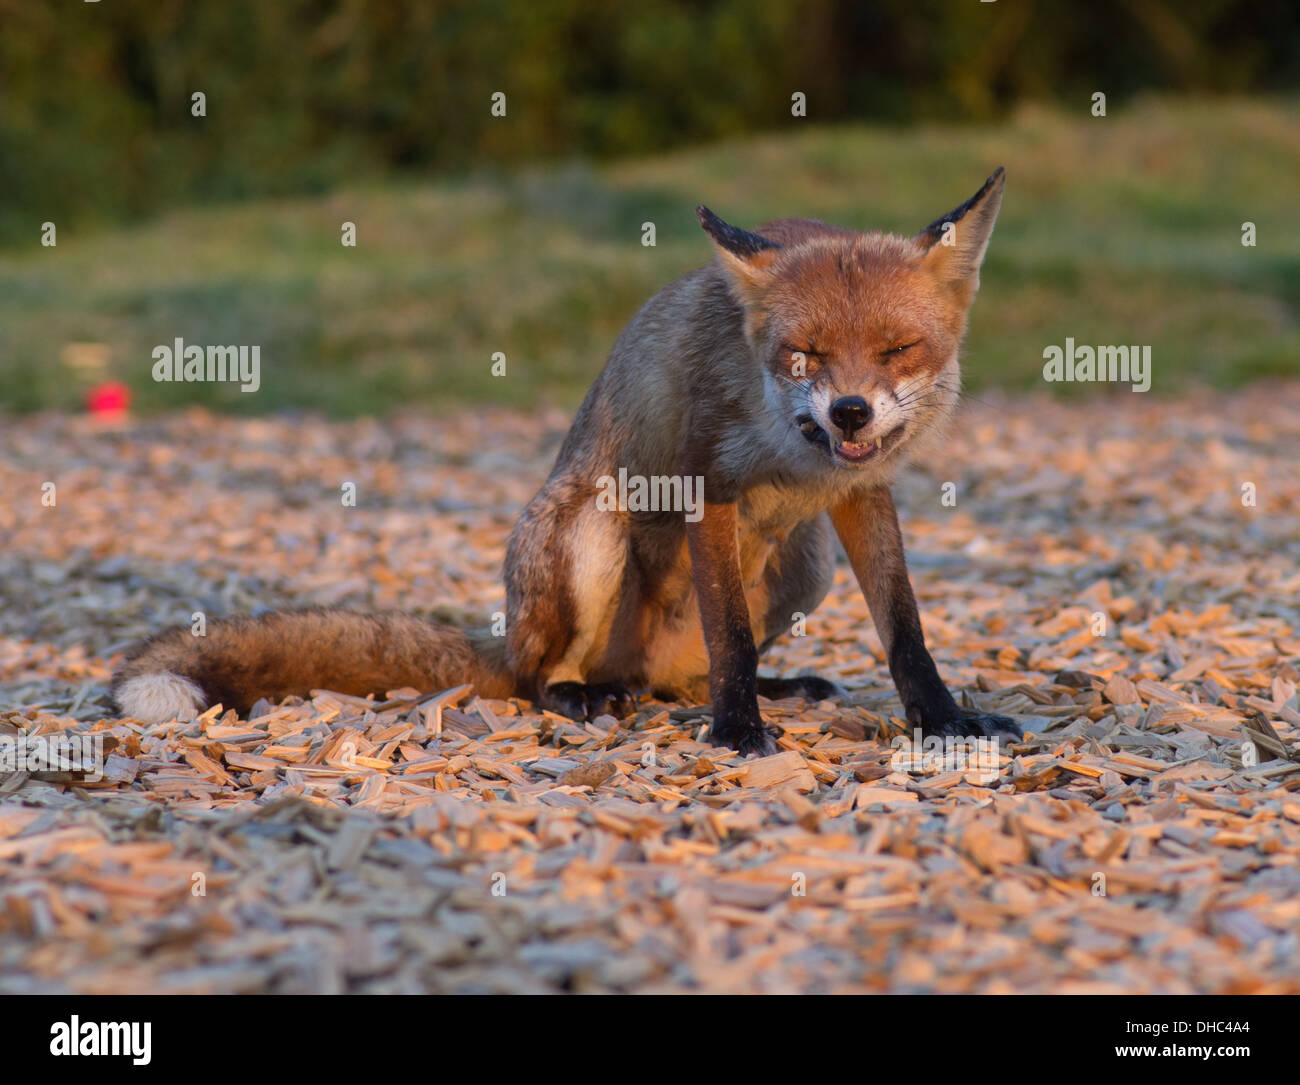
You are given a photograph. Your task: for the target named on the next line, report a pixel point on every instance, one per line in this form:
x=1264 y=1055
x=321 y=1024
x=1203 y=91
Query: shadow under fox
x=792 y=377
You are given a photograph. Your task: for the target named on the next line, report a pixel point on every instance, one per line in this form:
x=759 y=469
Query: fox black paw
x=745 y=739
x=582 y=701
x=808 y=686
x=977 y=725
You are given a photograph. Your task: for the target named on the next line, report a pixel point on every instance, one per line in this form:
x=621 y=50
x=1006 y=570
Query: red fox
x=790 y=378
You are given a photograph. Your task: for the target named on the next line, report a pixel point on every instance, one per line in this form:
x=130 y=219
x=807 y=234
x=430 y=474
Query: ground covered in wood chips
x=1122 y=576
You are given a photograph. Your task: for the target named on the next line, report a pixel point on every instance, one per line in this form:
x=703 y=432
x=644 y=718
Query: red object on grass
x=110 y=397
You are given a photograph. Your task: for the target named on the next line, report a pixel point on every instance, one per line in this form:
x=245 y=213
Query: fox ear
x=747 y=257
x=955 y=244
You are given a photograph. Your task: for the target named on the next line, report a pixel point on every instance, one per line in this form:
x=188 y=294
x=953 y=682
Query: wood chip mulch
x=1145 y=837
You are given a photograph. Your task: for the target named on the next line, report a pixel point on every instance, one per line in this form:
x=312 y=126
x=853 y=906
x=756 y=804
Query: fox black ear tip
x=704 y=214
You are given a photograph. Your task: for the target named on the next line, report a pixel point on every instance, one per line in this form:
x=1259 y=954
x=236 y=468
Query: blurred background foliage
x=522 y=234
x=304 y=94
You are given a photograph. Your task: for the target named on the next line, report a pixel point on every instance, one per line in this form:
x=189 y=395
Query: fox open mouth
x=850 y=451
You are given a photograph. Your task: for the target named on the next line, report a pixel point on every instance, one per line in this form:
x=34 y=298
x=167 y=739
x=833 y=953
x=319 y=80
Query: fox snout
x=850 y=414
x=852 y=430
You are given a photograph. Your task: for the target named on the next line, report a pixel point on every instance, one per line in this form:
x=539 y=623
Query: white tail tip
x=157 y=698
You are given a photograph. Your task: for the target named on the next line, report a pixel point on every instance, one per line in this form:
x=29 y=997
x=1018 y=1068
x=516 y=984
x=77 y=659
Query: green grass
x=1124 y=229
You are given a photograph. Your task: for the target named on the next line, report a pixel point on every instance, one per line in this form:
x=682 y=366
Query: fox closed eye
x=900 y=348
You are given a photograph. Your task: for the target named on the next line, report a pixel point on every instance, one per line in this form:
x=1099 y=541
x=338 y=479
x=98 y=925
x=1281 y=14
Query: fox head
x=858 y=334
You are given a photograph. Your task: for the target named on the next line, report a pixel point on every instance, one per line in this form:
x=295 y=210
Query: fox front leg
x=733 y=656
x=867 y=525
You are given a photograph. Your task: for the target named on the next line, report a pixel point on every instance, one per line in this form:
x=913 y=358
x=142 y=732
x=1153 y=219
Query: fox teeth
x=879 y=441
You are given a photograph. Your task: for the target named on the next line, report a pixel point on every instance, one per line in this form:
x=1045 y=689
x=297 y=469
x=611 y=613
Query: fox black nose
x=850 y=413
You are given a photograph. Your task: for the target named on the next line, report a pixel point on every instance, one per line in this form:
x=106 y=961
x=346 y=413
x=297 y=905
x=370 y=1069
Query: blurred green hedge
x=95 y=121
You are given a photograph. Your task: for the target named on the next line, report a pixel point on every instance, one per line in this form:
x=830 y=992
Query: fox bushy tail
x=282 y=654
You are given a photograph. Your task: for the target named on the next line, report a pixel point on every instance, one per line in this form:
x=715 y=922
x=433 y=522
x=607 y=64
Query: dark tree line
x=95 y=98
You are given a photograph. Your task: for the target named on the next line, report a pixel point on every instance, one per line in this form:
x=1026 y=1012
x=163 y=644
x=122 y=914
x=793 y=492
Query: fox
x=792 y=377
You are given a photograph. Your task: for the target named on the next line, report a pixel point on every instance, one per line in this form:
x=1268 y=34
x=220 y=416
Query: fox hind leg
x=564 y=580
